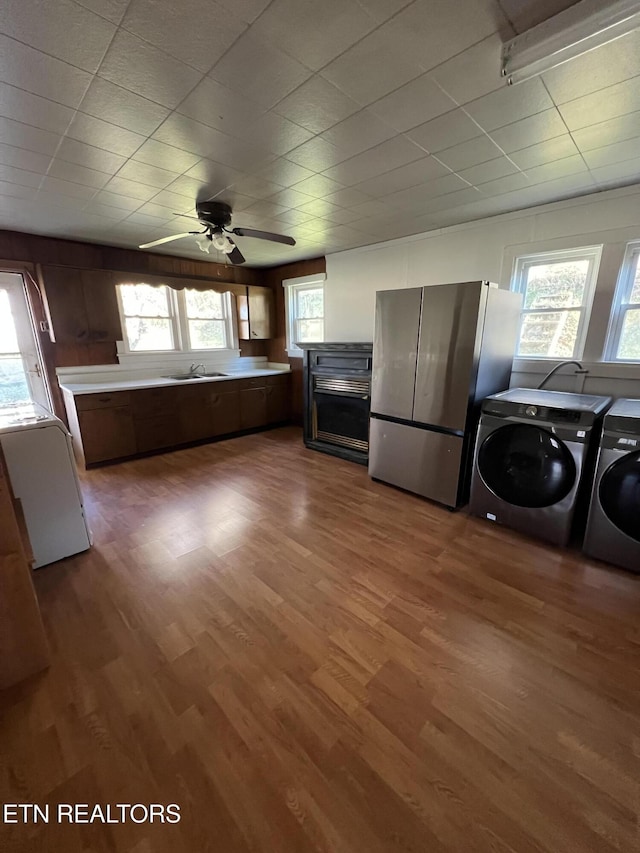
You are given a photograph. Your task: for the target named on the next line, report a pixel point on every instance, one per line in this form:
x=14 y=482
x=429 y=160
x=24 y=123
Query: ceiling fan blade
x=236 y=256
x=263 y=235
x=167 y=239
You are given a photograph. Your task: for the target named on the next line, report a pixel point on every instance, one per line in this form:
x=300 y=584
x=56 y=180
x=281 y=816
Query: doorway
x=21 y=368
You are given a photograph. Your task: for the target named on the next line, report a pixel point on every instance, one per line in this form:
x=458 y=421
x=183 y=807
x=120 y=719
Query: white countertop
x=77 y=388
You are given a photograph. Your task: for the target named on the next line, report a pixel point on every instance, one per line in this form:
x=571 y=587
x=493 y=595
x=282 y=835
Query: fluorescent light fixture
x=578 y=29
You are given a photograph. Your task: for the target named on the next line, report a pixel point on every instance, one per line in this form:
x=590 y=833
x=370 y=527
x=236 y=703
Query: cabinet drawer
x=280 y=379
x=153 y=401
x=84 y=402
x=255 y=382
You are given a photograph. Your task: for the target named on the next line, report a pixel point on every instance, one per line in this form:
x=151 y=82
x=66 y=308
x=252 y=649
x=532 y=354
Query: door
x=620 y=494
x=447 y=354
x=527 y=466
x=395 y=350
x=21 y=369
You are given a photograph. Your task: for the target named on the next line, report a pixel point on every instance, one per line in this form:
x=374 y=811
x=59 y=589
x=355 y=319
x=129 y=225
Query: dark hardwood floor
x=305 y=660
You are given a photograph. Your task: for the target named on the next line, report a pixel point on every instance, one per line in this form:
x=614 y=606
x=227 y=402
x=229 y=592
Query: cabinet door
x=277 y=402
x=225 y=412
x=107 y=433
x=260 y=307
x=194 y=414
x=253 y=407
x=64 y=305
x=101 y=305
x=156 y=431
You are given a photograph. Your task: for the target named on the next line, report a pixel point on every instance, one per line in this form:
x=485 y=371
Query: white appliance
x=37 y=450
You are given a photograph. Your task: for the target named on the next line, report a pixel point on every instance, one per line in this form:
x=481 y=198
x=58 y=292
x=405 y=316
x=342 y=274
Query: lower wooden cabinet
x=115 y=425
x=107 y=433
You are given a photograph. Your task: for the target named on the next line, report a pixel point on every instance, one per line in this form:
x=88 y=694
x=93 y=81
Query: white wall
x=486 y=249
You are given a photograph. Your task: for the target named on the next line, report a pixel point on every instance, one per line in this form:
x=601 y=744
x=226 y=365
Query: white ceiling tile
x=390 y=154
x=602 y=105
x=484 y=172
x=112 y=10
x=217 y=106
x=119 y=106
x=322 y=30
x=372 y=207
x=290 y=197
x=20 y=176
x=445 y=131
x=469 y=153
x=62 y=29
x=277 y=133
x=382 y=10
x=412 y=104
x=143 y=69
x=77 y=174
x=185 y=186
x=256 y=187
x=528 y=131
x=362 y=75
x=411 y=175
x=24 y=136
x=473 y=73
x=87 y=155
x=175 y=201
x=510 y=104
x=609 y=154
x=317 y=154
x=118 y=201
x=67 y=188
x=21 y=159
x=266 y=208
x=466 y=195
x=131 y=189
x=246 y=10
x=156 y=153
x=102 y=134
x=259 y=71
x=160 y=211
x=524 y=14
x=284 y=172
x=416 y=195
x=317 y=105
x=608 y=132
x=211 y=32
x=29 y=69
x=20 y=191
x=506 y=184
x=618 y=174
x=295 y=217
x=318 y=186
x=145 y=174
x=597 y=69
x=544 y=152
x=97 y=208
x=348 y=197
x=432 y=31
x=34 y=110
x=211 y=176
x=556 y=169
x=357 y=133
x=145 y=219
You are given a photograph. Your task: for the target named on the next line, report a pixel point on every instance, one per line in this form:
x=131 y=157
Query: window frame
x=293 y=286
x=179 y=324
x=521 y=266
x=621 y=304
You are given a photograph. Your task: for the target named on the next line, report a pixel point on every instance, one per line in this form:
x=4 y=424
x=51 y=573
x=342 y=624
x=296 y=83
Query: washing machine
x=532 y=454
x=613 y=527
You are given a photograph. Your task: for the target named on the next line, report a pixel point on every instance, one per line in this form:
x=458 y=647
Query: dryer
x=531 y=456
x=613 y=527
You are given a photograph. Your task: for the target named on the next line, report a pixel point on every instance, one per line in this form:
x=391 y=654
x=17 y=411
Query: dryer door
x=619 y=494
x=525 y=465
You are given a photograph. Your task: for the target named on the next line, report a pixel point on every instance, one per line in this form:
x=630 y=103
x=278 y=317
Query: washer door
x=620 y=494
x=527 y=466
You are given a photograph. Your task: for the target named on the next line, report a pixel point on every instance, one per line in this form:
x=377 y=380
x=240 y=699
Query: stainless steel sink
x=214 y=374
x=183 y=377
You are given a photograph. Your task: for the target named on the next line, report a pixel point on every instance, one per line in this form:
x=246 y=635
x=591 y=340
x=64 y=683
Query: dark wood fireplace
x=337 y=391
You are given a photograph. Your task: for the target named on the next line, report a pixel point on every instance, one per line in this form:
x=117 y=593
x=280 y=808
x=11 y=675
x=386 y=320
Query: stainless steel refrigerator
x=437 y=353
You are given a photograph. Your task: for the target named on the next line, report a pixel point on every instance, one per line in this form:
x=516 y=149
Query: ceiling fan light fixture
x=204 y=242
x=222 y=243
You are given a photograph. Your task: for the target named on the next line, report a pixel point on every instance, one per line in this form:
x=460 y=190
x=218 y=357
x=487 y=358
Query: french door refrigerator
x=438 y=351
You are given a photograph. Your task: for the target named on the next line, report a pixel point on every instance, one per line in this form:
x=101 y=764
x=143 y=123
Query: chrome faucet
x=193 y=370
x=557 y=368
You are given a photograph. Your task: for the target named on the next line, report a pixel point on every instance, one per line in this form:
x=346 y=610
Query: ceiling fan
x=216 y=217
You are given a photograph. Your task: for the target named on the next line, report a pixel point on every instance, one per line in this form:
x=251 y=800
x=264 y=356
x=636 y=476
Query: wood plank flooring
x=305 y=660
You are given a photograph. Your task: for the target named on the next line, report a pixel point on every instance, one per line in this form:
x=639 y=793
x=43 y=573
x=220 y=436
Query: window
x=157 y=318
x=624 y=332
x=557 y=289
x=305 y=311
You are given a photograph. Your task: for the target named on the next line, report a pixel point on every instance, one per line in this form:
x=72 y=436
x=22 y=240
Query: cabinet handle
x=255 y=334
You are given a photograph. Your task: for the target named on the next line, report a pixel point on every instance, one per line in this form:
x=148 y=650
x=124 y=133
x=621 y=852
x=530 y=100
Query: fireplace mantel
x=337 y=388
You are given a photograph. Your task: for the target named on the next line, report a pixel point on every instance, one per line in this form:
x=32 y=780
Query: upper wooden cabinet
x=81 y=305
x=255 y=314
